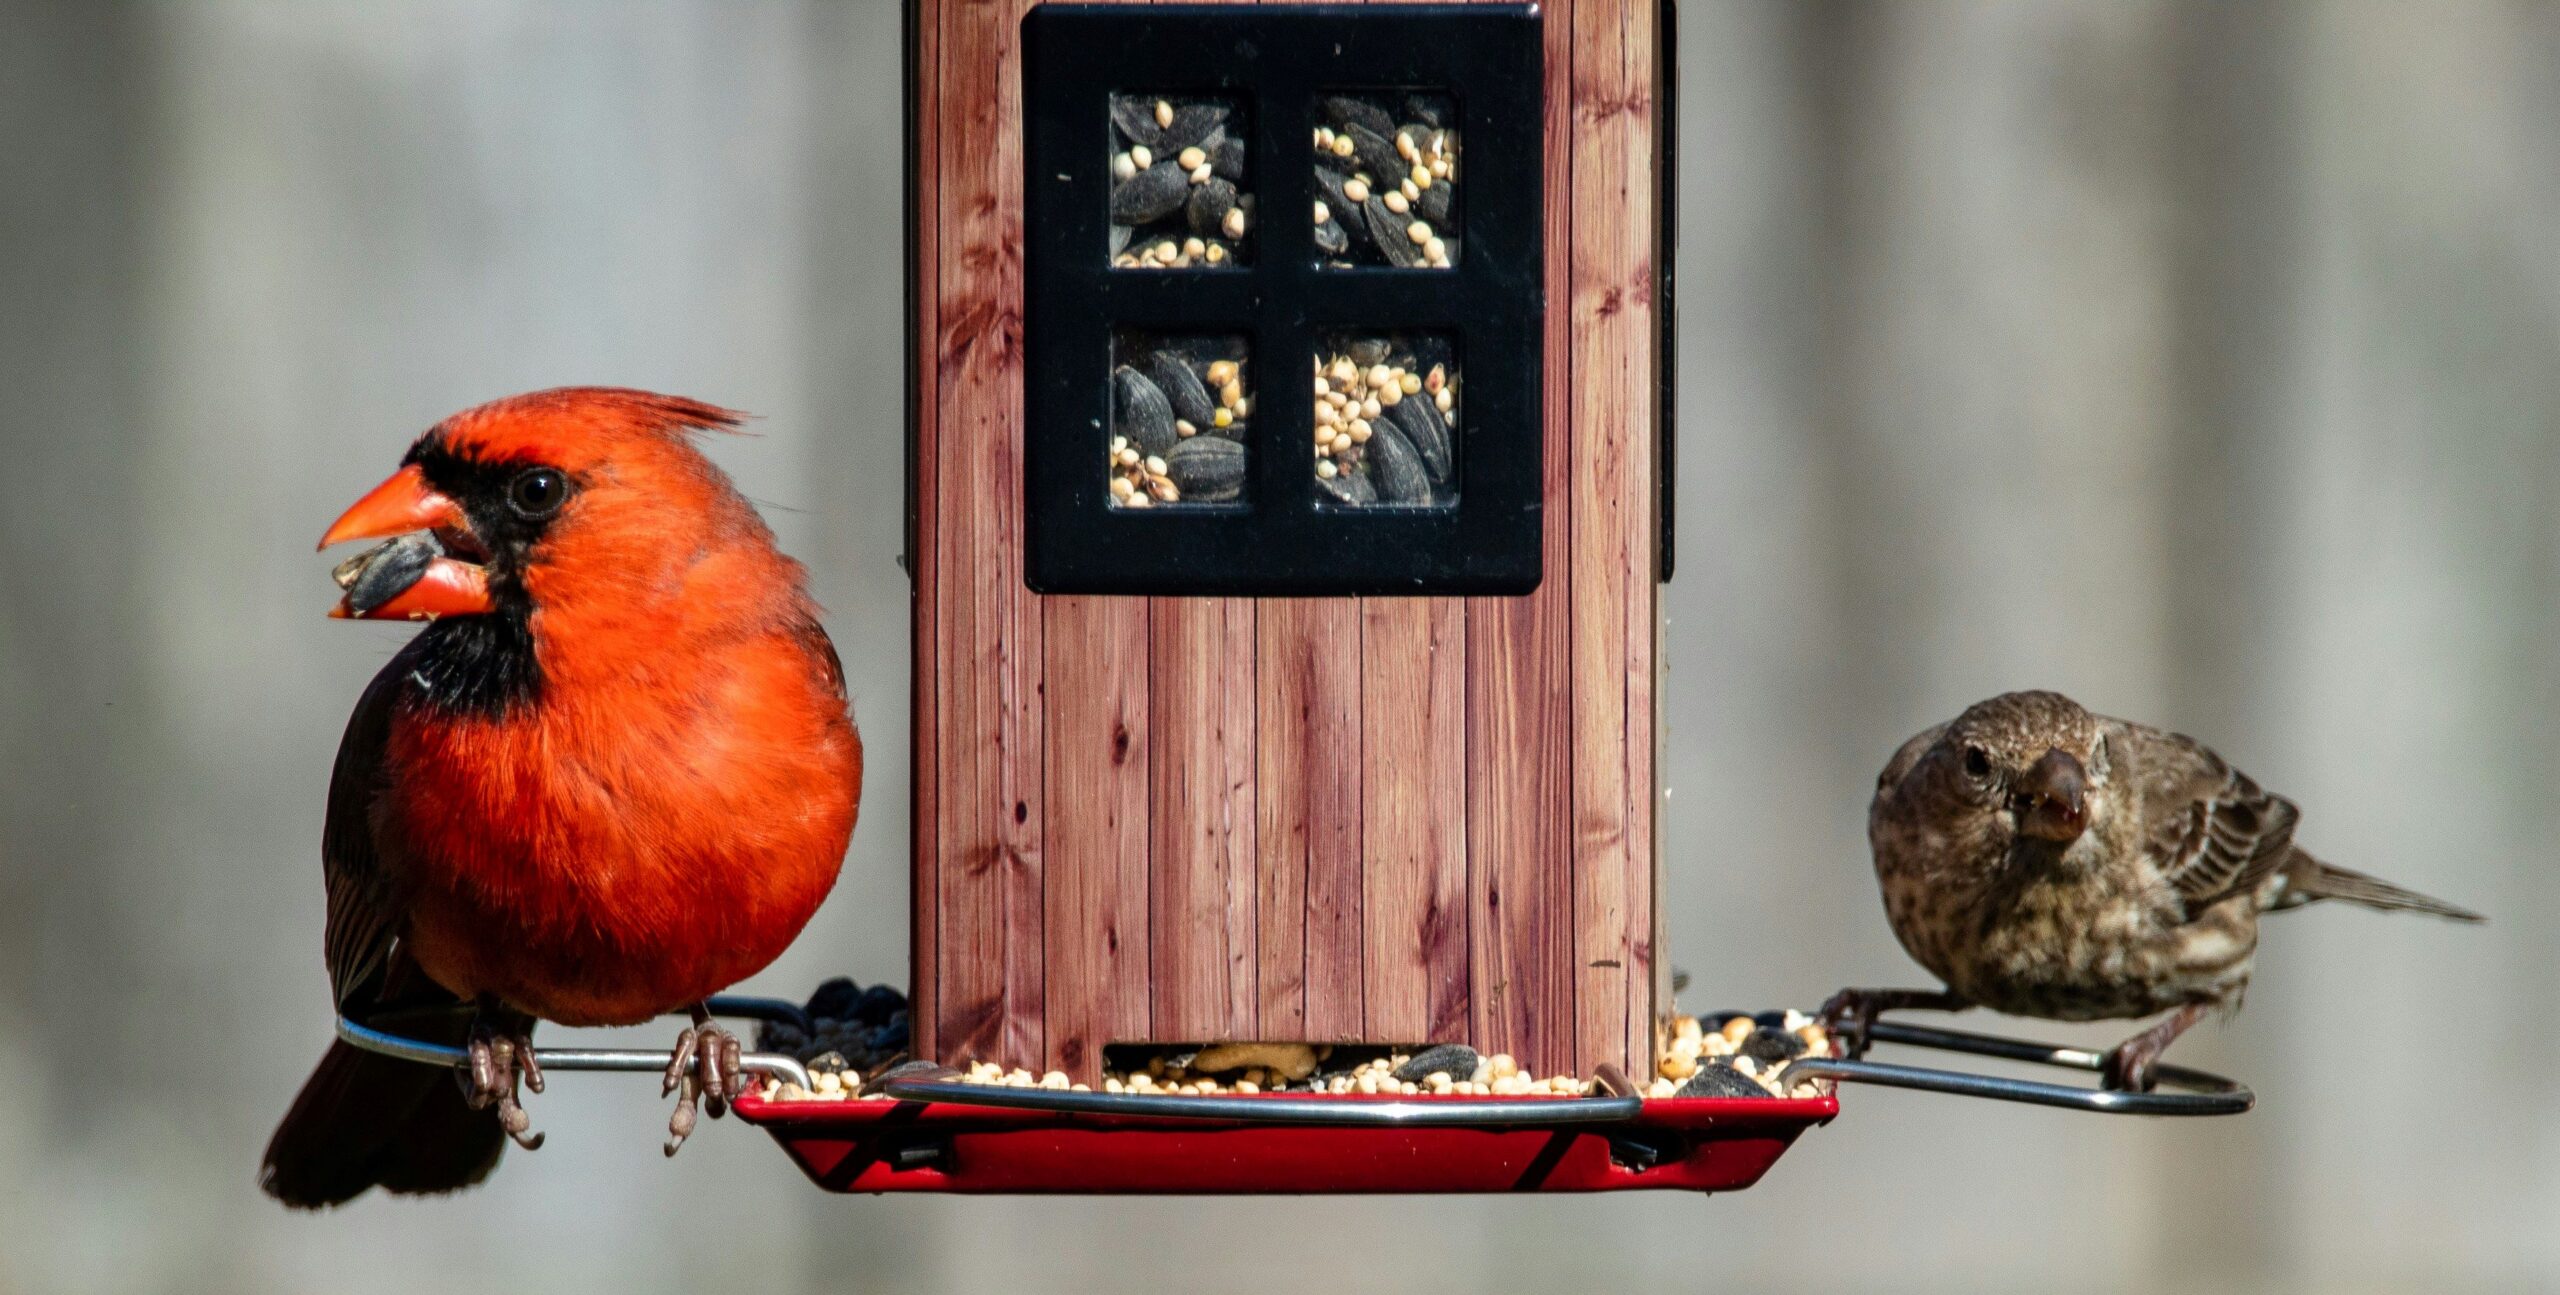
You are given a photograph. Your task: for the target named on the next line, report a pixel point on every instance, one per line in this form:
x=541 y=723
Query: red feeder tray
x=1399 y=1144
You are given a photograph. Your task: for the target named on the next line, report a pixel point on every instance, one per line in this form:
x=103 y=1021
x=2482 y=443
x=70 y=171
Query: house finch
x=2044 y=861
x=612 y=776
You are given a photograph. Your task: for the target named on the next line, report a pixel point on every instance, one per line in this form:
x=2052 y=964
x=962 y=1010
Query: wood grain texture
x=1095 y=863
x=988 y=949
x=1201 y=845
x=1612 y=445
x=1414 y=748
x=1519 y=891
x=1309 y=867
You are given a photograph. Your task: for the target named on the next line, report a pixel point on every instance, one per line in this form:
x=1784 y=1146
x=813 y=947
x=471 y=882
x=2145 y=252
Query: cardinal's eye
x=538 y=492
x=1977 y=764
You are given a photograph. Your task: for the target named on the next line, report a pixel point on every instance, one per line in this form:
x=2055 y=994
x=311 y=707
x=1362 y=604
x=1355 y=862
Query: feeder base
x=1676 y=1144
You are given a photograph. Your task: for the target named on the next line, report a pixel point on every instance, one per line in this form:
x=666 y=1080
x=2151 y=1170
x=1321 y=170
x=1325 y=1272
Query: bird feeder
x=1289 y=431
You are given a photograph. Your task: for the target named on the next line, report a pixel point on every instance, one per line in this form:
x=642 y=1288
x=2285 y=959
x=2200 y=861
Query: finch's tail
x=2308 y=879
x=365 y=1120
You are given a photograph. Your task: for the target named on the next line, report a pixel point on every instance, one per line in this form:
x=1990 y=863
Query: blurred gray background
x=2198 y=359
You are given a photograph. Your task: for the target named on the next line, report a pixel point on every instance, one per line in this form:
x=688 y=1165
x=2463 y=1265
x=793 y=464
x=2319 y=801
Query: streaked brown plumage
x=2045 y=861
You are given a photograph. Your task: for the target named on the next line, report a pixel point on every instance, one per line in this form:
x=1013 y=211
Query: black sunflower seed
x=1331 y=240
x=1391 y=233
x=1350 y=487
x=1141 y=412
x=386 y=571
x=1209 y=204
x=1422 y=424
x=1207 y=468
x=1136 y=118
x=1191 y=125
x=1226 y=159
x=1120 y=238
x=1377 y=155
x=1456 y=1060
x=1182 y=388
x=1401 y=479
x=1344 y=111
x=1716 y=1079
x=1150 y=195
x=1433 y=205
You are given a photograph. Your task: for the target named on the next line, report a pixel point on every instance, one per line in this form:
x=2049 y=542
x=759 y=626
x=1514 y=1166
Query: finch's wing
x=362 y=911
x=2214 y=832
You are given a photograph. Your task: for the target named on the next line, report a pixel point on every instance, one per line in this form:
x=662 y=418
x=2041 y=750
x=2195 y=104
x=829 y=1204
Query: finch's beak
x=409 y=578
x=2051 y=801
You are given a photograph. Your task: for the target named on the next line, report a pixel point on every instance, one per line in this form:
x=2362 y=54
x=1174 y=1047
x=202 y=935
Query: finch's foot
x=497 y=1063
x=703 y=1072
x=2133 y=1065
x=1850 y=1013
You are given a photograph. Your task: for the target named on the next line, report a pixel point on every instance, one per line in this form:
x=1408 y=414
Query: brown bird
x=2044 y=861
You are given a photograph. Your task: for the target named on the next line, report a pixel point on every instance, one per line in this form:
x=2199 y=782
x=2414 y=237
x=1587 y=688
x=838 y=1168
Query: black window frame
x=1491 y=303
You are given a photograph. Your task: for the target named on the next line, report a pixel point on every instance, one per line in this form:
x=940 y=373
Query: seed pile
x=860 y=1029
x=1385 y=425
x=1743 y=1057
x=1177 y=184
x=1178 y=425
x=1387 y=191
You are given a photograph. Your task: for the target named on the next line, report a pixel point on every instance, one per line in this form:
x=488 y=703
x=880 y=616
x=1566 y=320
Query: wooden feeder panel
x=1385 y=819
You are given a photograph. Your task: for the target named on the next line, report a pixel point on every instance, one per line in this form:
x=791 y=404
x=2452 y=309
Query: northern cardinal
x=613 y=775
x=2045 y=861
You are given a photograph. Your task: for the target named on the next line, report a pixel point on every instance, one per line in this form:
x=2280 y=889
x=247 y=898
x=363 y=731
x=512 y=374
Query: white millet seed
x=1142 y=157
x=1323 y=212
x=1234 y=223
x=1123 y=167
x=1397 y=204
x=1380 y=375
x=1191 y=158
x=1121 y=489
x=1342 y=146
x=1194 y=247
x=1200 y=174
x=1419 y=232
x=1155 y=465
x=1182 y=427
x=1164 y=113
x=1355 y=190
x=1325 y=469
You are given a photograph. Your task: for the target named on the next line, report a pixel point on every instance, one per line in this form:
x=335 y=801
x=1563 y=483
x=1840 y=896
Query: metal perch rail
x=2200 y=1093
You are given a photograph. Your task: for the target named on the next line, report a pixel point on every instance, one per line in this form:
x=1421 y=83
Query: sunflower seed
x=385 y=571
x=1207 y=468
x=1136 y=118
x=1388 y=231
x=1183 y=389
x=1210 y=202
x=1346 y=111
x=1425 y=109
x=1350 y=487
x=1151 y=195
x=1401 y=478
x=1226 y=158
x=1140 y=411
x=1421 y=423
x=1120 y=238
x=1377 y=154
x=1191 y=124
x=1432 y=204
x=1331 y=240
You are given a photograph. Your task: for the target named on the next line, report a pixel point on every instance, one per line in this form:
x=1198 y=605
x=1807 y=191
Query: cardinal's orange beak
x=407 y=579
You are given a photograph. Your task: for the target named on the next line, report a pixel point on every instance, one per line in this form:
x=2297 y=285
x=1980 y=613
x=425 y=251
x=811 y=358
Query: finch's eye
x=538 y=492
x=1977 y=764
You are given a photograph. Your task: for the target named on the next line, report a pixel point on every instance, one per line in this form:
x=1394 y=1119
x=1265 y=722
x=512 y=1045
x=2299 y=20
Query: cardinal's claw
x=703 y=1074
x=496 y=1063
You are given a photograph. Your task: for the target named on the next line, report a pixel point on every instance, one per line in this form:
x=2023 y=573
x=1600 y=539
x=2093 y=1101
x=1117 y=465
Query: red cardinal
x=613 y=775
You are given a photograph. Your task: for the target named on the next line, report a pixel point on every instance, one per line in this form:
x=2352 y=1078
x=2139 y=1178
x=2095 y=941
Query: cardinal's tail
x=366 y=1120
x=2309 y=879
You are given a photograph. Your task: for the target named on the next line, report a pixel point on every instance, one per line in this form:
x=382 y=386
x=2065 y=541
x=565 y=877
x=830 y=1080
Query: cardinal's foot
x=703 y=1072
x=498 y=1062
